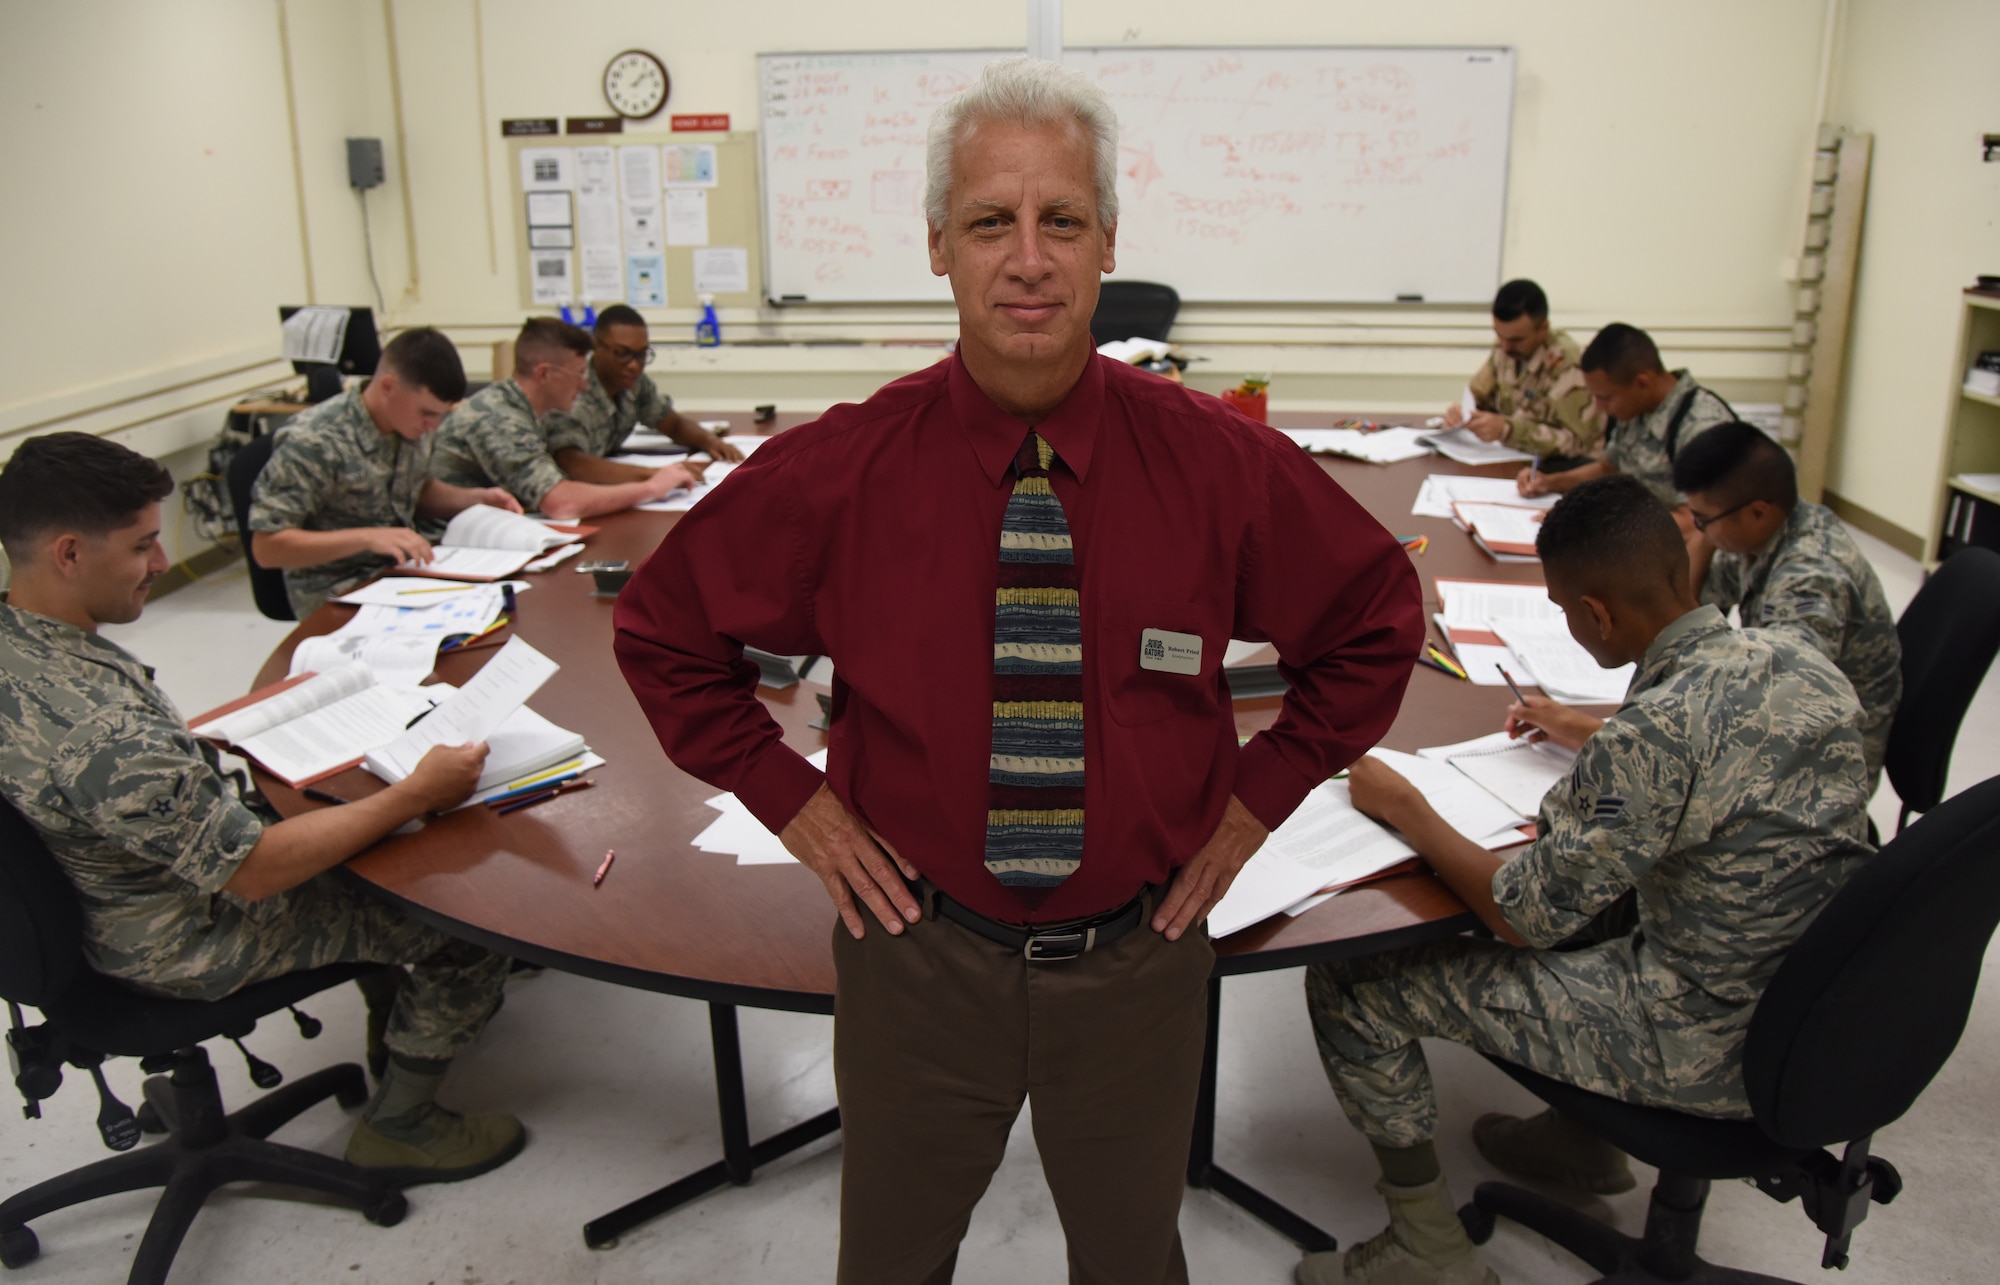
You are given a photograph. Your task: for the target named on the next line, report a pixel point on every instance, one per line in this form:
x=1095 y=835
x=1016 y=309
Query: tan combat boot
x=408 y=1138
x=1425 y=1244
x=1551 y=1147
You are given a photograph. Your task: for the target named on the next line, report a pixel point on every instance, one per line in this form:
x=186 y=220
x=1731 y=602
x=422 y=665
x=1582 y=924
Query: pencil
x=532 y=799
x=1445 y=662
x=1510 y=682
x=1426 y=660
x=443 y=588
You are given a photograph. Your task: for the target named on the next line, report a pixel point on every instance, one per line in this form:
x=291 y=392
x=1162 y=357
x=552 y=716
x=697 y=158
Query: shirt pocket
x=1137 y=696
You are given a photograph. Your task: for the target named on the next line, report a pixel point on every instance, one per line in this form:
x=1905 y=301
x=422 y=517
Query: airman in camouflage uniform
x=148 y=827
x=599 y=424
x=1813 y=583
x=495 y=438
x=1728 y=791
x=1542 y=396
x=334 y=469
x=1645 y=445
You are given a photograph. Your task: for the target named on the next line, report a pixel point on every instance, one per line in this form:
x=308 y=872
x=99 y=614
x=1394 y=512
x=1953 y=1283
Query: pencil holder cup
x=1252 y=404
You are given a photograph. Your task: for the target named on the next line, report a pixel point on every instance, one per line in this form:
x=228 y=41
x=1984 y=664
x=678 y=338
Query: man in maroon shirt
x=1069 y=963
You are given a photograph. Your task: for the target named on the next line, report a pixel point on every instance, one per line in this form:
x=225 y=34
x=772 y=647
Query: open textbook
x=713 y=476
x=485 y=543
x=476 y=712
x=1382 y=446
x=314 y=725
x=1441 y=491
x=1506 y=531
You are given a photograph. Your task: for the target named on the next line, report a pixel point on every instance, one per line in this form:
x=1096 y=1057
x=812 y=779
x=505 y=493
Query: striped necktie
x=1034 y=821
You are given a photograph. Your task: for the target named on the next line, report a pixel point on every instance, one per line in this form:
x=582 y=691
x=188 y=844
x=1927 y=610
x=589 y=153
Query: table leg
x=740 y=1156
x=1204 y=1172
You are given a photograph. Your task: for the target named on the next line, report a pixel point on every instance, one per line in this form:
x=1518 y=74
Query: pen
x=610 y=855
x=419 y=718
x=318 y=795
x=1510 y=682
x=543 y=796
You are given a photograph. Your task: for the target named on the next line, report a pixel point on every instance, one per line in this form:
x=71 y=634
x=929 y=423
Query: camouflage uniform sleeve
x=653 y=405
x=1485 y=384
x=1565 y=423
x=143 y=784
x=1724 y=586
x=1600 y=830
x=1810 y=602
x=513 y=453
x=564 y=431
x=291 y=487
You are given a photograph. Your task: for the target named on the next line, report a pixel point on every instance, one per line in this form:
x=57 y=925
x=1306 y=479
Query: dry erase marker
x=1510 y=682
x=610 y=855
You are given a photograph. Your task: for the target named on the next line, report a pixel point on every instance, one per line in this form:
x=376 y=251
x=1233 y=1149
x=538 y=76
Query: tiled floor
x=616 y=1089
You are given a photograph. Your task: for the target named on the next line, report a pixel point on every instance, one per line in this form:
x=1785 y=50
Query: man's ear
x=1600 y=614
x=940 y=265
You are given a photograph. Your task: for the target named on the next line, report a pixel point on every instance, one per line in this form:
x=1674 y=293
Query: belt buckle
x=1048 y=948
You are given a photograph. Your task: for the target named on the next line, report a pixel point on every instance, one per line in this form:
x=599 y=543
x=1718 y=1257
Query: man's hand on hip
x=852 y=861
x=1199 y=884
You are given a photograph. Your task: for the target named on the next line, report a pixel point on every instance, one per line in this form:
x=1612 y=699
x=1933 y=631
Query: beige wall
x=1920 y=78
x=1657 y=176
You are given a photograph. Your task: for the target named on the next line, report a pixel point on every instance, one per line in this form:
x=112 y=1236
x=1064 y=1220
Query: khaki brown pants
x=940 y=1035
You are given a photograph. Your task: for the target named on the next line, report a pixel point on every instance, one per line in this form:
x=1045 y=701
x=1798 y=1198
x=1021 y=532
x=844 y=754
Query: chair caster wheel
x=1478 y=1223
x=18 y=1247
x=149 y=1119
x=388 y=1210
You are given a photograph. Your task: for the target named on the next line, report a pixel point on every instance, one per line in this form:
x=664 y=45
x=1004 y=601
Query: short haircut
x=425 y=358
x=1520 y=297
x=1736 y=463
x=63 y=482
x=1030 y=92
x=1622 y=352
x=1612 y=536
x=545 y=339
x=618 y=314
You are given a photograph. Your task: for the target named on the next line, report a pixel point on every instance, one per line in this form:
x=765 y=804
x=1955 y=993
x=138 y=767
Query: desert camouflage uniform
x=1543 y=398
x=1729 y=792
x=1639 y=446
x=495 y=439
x=598 y=425
x=141 y=817
x=332 y=469
x=1813 y=582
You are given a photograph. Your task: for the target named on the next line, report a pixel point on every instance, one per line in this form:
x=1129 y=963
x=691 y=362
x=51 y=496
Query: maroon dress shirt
x=872 y=536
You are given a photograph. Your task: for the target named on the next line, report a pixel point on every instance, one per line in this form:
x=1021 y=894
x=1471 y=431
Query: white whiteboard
x=1251 y=175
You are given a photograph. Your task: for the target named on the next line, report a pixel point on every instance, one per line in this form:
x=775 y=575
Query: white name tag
x=1169 y=652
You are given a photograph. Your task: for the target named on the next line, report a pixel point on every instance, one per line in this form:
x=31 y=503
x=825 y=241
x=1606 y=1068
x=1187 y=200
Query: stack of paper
x=1471 y=607
x=714 y=475
x=1324 y=843
x=1559 y=665
x=1505 y=531
x=739 y=834
x=1516 y=771
x=485 y=543
x=1468 y=808
x=1441 y=491
x=476 y=712
x=1464 y=446
x=396 y=659
x=1383 y=446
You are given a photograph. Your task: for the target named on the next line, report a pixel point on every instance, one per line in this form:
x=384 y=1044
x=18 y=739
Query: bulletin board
x=631 y=225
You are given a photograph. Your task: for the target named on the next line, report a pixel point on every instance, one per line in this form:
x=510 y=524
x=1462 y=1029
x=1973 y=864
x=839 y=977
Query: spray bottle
x=708 y=331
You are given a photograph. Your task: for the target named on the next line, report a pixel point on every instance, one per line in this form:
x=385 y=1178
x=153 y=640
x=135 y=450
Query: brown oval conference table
x=674 y=919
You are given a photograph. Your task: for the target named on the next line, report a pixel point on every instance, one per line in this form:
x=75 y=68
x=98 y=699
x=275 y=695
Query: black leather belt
x=1048 y=943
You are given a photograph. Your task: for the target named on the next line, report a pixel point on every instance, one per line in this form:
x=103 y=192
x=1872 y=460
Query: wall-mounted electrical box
x=364 y=163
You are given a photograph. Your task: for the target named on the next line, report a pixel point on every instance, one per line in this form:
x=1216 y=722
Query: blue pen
x=538 y=786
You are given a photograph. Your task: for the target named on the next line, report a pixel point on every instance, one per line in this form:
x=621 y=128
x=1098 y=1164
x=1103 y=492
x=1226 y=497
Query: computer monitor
x=360 y=349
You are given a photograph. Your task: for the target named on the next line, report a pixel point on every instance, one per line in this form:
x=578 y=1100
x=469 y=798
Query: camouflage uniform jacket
x=332 y=469
x=494 y=439
x=1543 y=398
x=598 y=425
x=134 y=807
x=1813 y=582
x=1639 y=446
x=1728 y=791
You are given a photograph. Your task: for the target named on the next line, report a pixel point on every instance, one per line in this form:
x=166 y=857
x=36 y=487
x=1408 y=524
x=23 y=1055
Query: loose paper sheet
x=1326 y=841
x=722 y=270
x=687 y=216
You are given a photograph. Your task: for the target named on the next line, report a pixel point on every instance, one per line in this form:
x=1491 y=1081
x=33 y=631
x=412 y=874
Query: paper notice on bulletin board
x=722 y=270
x=690 y=164
x=639 y=172
x=643 y=234
x=551 y=276
x=687 y=216
x=547 y=169
x=646 y=281
x=603 y=279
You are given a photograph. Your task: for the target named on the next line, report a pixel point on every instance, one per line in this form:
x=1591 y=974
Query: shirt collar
x=510 y=392
x=996 y=436
x=1675 y=639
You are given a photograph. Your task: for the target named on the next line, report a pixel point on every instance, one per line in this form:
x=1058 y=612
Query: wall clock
x=636 y=84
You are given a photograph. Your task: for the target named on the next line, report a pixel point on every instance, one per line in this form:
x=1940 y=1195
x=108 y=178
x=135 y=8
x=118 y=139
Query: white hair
x=1031 y=92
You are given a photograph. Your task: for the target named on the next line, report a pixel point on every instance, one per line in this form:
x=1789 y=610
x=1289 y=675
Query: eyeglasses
x=1702 y=523
x=629 y=356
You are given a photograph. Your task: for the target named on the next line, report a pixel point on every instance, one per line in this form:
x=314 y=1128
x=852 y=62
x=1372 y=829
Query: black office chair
x=1950 y=633
x=1862 y=1013
x=266 y=585
x=1134 y=310
x=88 y=1018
